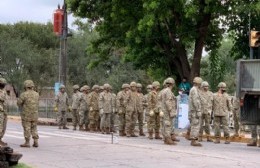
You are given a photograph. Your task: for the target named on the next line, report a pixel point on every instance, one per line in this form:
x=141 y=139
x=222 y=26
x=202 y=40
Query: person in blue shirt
x=185 y=86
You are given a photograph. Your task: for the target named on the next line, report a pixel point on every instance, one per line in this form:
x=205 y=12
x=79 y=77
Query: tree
x=156 y=34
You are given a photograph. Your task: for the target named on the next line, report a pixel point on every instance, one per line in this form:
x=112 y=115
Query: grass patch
x=21 y=165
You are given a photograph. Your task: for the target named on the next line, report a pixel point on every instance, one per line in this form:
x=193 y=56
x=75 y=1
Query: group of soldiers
x=96 y=109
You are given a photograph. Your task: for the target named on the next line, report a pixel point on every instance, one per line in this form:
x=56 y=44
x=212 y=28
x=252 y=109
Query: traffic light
x=254 y=38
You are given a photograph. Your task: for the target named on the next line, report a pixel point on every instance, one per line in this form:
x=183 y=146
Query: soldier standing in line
x=75 y=106
x=131 y=110
x=168 y=112
x=221 y=107
x=140 y=109
x=153 y=122
x=146 y=112
x=114 y=111
x=236 y=114
x=28 y=102
x=94 y=109
x=101 y=90
x=83 y=107
x=121 y=108
x=3 y=110
x=195 y=111
x=206 y=106
x=105 y=109
x=61 y=106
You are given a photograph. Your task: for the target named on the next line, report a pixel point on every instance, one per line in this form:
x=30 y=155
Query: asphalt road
x=75 y=149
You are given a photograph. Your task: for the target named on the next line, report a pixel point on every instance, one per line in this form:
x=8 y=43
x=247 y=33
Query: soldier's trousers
x=62 y=118
x=121 y=121
x=167 y=126
x=153 y=123
x=194 y=125
x=140 y=118
x=75 y=117
x=30 y=129
x=221 y=120
x=3 y=122
x=105 y=120
x=236 y=120
x=83 y=118
x=205 y=118
x=255 y=130
x=130 y=120
x=93 y=118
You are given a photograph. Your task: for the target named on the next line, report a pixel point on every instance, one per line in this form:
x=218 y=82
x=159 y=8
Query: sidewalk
x=41 y=121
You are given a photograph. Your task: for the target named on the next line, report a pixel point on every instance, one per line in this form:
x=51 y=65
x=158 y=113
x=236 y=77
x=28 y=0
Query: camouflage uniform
x=221 y=107
x=75 y=108
x=106 y=109
x=206 y=107
x=83 y=108
x=3 y=111
x=121 y=109
x=113 y=119
x=169 y=108
x=255 y=135
x=62 y=103
x=94 y=109
x=140 y=113
x=236 y=114
x=28 y=102
x=131 y=103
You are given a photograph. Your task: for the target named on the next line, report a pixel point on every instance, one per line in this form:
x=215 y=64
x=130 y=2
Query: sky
x=41 y=11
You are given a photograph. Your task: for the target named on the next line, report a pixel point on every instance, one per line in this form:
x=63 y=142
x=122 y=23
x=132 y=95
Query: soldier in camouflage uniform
x=255 y=134
x=221 y=107
x=28 y=102
x=75 y=106
x=93 y=109
x=168 y=110
x=3 y=110
x=113 y=119
x=61 y=106
x=131 y=103
x=83 y=108
x=206 y=107
x=195 y=111
x=121 y=108
x=140 y=109
x=106 y=109
x=236 y=114
x=153 y=122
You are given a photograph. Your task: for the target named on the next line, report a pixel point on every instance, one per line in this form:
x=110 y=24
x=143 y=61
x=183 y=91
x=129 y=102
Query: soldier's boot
x=141 y=132
x=217 y=140
x=107 y=130
x=209 y=139
x=200 y=139
x=121 y=133
x=124 y=133
x=65 y=127
x=26 y=143
x=173 y=137
x=195 y=143
x=150 y=135
x=35 y=143
x=169 y=141
x=252 y=143
x=2 y=143
x=133 y=134
x=227 y=140
x=157 y=135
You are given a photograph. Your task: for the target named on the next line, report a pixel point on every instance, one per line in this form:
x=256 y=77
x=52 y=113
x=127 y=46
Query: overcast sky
x=12 y=11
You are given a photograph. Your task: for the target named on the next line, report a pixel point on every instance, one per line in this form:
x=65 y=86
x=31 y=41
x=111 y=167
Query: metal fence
x=45 y=108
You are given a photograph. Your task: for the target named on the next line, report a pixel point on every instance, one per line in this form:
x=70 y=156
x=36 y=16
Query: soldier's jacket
x=169 y=103
x=93 y=101
x=140 y=102
x=120 y=101
x=131 y=101
x=152 y=102
x=106 y=102
x=3 y=101
x=159 y=100
x=221 y=104
x=83 y=106
x=194 y=100
x=29 y=103
x=146 y=100
x=114 y=102
x=62 y=101
x=206 y=101
x=75 y=100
